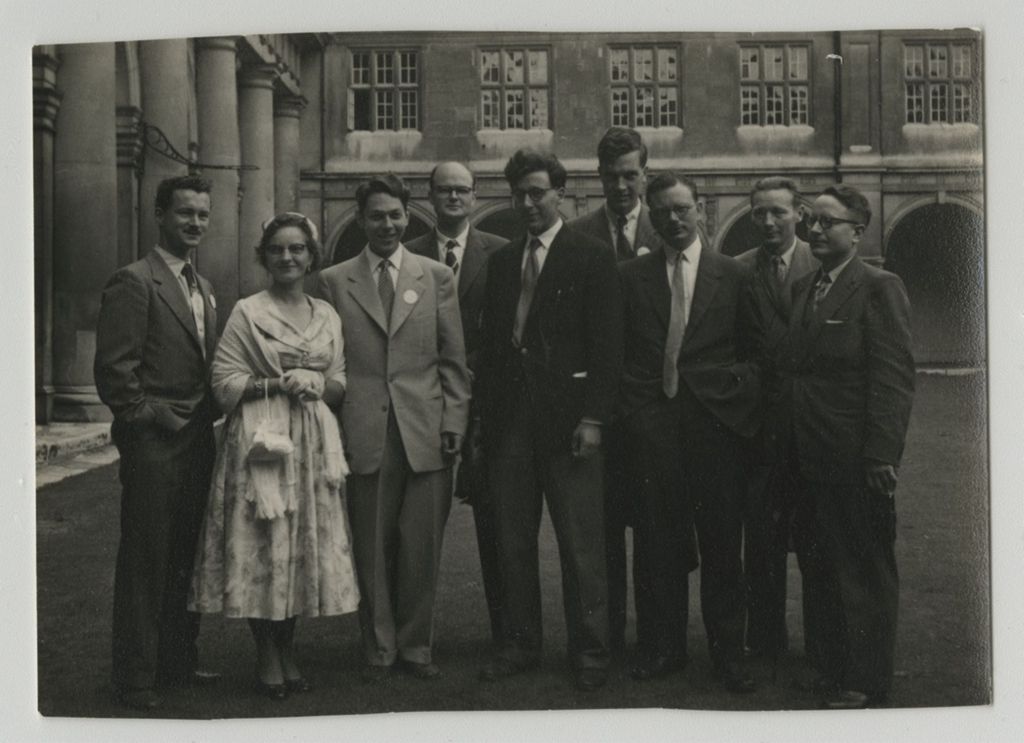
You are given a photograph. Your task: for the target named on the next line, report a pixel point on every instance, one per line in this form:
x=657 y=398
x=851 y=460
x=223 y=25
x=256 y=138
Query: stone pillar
x=218 y=257
x=85 y=221
x=256 y=134
x=45 y=104
x=287 y=112
x=129 y=168
x=165 y=83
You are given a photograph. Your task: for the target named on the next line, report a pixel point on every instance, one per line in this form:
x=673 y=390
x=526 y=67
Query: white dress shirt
x=629 y=229
x=692 y=253
x=546 y=238
x=396 y=262
x=460 y=244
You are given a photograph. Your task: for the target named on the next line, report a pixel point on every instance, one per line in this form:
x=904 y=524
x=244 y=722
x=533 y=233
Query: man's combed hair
x=665 y=181
x=778 y=183
x=619 y=141
x=852 y=199
x=388 y=183
x=527 y=161
x=165 y=191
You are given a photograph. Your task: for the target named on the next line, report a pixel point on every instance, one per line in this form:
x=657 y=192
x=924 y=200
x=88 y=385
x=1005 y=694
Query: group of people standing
x=614 y=367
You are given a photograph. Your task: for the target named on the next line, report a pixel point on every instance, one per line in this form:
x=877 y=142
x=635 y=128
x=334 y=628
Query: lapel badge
x=642 y=250
x=409 y=296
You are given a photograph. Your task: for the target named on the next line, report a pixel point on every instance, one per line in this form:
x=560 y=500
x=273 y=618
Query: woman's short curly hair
x=291 y=219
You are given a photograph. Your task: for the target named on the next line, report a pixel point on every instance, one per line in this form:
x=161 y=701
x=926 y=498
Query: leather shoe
x=298 y=685
x=850 y=699
x=140 y=699
x=735 y=678
x=372 y=674
x=421 y=671
x=650 y=667
x=502 y=667
x=275 y=692
x=589 y=679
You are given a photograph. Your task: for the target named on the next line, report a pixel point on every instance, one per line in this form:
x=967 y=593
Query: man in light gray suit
x=624 y=224
x=403 y=418
x=781 y=259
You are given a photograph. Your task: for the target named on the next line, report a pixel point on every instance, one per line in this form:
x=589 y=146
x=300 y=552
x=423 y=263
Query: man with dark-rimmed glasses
x=848 y=375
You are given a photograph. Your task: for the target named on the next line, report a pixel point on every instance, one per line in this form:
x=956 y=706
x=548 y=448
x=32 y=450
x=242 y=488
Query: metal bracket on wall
x=154 y=138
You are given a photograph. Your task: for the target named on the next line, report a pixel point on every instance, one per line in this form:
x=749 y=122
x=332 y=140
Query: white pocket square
x=835 y=322
x=580 y=375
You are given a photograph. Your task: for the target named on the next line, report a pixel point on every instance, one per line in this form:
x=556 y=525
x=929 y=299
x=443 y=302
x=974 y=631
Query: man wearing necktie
x=687 y=406
x=847 y=373
x=155 y=338
x=403 y=417
x=466 y=250
x=781 y=259
x=623 y=223
x=548 y=374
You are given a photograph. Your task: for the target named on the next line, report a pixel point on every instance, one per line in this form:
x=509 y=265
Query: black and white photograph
x=472 y=377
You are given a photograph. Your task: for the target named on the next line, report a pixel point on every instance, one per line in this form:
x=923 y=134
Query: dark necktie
x=622 y=247
x=530 y=273
x=449 y=256
x=385 y=288
x=195 y=300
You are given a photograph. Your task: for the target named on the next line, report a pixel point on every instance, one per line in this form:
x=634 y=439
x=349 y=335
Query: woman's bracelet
x=259 y=386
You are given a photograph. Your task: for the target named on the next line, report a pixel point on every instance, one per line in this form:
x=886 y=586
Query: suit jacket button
x=383 y=408
x=523 y=351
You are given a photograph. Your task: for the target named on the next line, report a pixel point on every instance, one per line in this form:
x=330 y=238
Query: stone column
x=256 y=134
x=217 y=113
x=45 y=104
x=287 y=112
x=129 y=168
x=163 y=69
x=85 y=221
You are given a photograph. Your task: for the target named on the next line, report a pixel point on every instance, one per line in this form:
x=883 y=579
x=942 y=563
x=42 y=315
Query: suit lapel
x=408 y=290
x=169 y=290
x=708 y=274
x=646 y=237
x=554 y=265
x=362 y=285
x=209 y=317
x=847 y=283
x=656 y=288
x=472 y=262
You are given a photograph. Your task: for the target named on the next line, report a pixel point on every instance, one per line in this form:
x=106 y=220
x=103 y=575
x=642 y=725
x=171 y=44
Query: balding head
x=453 y=196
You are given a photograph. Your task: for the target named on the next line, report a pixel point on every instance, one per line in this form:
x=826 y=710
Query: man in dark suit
x=777 y=263
x=624 y=225
x=848 y=375
x=155 y=338
x=688 y=405
x=549 y=369
x=403 y=419
x=465 y=249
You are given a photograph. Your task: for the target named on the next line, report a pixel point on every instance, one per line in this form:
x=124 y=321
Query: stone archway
x=939 y=252
x=502 y=221
x=741 y=235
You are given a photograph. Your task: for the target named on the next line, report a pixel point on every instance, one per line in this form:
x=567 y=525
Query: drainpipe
x=837 y=105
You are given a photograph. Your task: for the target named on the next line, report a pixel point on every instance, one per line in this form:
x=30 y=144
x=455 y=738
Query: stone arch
x=498 y=218
x=737 y=233
x=937 y=246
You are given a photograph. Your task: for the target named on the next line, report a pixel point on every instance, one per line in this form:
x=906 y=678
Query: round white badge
x=409 y=296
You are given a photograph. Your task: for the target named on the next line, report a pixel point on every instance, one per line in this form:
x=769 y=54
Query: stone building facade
x=297 y=121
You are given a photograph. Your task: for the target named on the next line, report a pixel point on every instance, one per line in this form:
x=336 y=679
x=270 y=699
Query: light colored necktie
x=385 y=288
x=821 y=289
x=530 y=273
x=676 y=329
x=779 y=269
x=449 y=257
x=195 y=300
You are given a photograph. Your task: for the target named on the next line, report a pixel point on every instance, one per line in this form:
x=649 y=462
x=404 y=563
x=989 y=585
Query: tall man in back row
x=155 y=339
x=466 y=250
x=549 y=370
x=623 y=223
x=777 y=263
x=847 y=374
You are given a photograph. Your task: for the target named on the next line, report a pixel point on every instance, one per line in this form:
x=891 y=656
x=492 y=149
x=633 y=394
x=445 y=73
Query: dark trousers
x=619 y=503
x=765 y=550
x=696 y=463
x=398 y=518
x=520 y=478
x=846 y=544
x=165 y=479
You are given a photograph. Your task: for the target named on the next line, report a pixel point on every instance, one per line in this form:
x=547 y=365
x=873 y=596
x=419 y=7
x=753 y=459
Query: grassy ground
x=943 y=648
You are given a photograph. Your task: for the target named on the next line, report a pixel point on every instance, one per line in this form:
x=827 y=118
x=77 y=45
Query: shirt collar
x=461 y=238
x=691 y=251
x=548 y=236
x=375 y=260
x=173 y=262
x=613 y=218
x=834 y=273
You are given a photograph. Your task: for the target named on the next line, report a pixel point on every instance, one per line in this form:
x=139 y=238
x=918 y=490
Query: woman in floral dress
x=275 y=542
